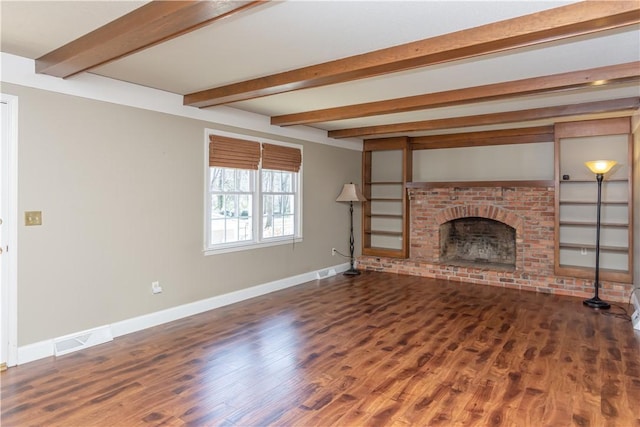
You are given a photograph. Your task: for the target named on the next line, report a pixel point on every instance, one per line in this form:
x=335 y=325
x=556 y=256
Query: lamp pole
x=599 y=167
x=350 y=193
x=352 y=271
x=596 y=302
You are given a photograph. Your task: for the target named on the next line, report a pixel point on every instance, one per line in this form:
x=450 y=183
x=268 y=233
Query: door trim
x=10 y=243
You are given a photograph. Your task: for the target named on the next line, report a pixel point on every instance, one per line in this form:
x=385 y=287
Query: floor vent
x=82 y=340
x=323 y=274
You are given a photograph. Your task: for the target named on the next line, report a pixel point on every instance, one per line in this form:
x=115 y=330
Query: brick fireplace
x=477 y=241
x=527 y=211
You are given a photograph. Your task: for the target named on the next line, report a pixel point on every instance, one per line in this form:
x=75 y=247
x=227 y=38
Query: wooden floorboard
x=374 y=350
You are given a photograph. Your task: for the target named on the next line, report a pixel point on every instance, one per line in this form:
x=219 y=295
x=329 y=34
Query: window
x=253 y=193
x=231 y=205
x=278 y=203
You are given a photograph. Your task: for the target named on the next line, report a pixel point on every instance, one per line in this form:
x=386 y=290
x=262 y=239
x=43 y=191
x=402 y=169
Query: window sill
x=252 y=245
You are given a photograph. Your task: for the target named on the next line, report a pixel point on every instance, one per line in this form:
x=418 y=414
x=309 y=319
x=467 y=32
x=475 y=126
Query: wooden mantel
x=463 y=184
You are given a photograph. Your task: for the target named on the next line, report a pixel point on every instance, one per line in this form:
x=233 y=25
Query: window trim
x=257 y=241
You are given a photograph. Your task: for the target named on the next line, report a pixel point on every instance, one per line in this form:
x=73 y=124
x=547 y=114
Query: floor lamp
x=599 y=167
x=351 y=193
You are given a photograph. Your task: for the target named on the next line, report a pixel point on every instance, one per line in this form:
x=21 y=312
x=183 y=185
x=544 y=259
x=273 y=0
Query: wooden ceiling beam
x=601 y=76
x=554 y=24
x=616 y=105
x=153 y=23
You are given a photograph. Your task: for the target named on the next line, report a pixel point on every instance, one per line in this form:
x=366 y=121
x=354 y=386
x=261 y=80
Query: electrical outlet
x=156 y=288
x=333 y=251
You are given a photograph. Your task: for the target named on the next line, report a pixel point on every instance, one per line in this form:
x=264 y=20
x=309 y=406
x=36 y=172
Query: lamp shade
x=600 y=166
x=351 y=193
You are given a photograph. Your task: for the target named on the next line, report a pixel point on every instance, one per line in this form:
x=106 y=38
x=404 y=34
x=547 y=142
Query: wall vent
x=81 y=340
x=323 y=274
x=635 y=300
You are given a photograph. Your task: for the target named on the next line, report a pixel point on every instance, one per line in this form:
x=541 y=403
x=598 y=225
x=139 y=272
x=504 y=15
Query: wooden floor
x=378 y=349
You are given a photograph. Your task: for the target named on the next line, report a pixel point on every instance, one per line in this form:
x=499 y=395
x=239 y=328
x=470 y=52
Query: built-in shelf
x=569 y=181
x=386 y=167
x=588 y=272
x=593 y=202
x=575 y=221
x=384 y=233
x=381 y=252
x=593 y=224
x=591 y=246
x=464 y=184
x=384 y=183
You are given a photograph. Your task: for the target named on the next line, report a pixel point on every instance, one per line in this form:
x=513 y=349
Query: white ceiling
x=285 y=35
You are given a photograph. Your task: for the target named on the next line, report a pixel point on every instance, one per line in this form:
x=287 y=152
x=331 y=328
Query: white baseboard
x=39 y=350
x=46 y=348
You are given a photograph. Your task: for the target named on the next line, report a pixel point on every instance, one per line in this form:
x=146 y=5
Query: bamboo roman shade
x=277 y=157
x=233 y=153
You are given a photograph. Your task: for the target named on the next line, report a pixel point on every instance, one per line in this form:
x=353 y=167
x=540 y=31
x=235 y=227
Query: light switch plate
x=33 y=218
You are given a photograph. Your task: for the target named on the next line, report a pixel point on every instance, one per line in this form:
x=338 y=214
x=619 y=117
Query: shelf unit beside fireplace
x=386 y=170
x=397 y=201
x=576 y=206
x=615 y=225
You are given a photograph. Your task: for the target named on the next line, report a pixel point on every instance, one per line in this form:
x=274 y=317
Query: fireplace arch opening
x=478 y=242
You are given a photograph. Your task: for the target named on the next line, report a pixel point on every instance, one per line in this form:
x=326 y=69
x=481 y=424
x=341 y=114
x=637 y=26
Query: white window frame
x=258 y=241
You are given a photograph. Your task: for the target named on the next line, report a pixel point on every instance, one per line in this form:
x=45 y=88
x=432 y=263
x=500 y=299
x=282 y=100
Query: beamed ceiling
x=357 y=69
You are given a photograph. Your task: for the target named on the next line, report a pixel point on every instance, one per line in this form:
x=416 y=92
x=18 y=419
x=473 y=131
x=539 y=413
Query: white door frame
x=9 y=243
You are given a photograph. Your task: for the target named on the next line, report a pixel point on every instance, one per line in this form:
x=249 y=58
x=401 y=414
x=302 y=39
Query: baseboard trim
x=159 y=317
x=46 y=348
x=39 y=350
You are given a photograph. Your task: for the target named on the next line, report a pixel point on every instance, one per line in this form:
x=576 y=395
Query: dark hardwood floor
x=378 y=349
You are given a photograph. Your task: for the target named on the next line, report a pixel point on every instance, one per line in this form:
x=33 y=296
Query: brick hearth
x=529 y=210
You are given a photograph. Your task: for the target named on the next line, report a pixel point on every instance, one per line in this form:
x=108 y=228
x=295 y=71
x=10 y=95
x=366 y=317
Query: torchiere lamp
x=599 y=167
x=351 y=193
